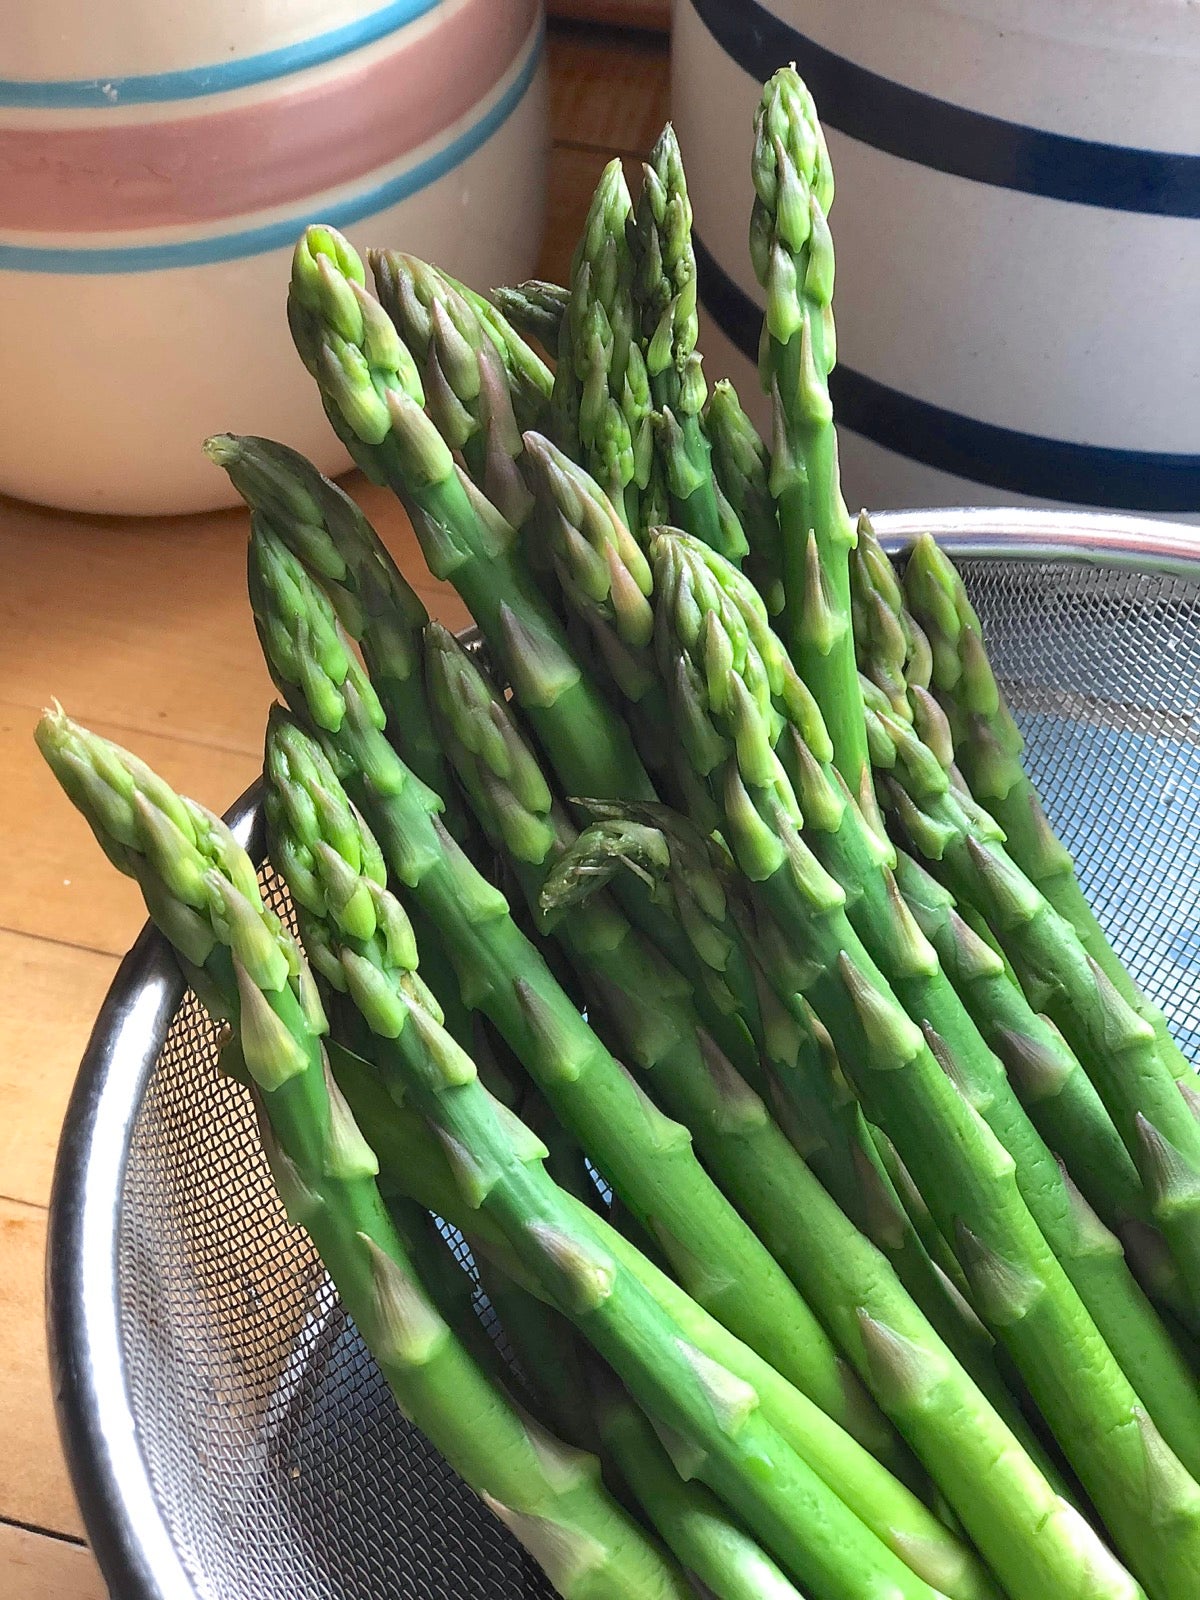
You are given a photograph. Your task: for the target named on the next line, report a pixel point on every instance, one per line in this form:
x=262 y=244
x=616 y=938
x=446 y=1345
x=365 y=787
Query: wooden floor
x=141 y=629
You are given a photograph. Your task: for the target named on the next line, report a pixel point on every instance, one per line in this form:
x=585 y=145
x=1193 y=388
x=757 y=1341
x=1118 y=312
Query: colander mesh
x=283 y=1469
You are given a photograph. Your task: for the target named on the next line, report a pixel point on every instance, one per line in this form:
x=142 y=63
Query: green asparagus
x=1118 y=1048
x=710 y=1420
x=600 y=409
x=792 y=252
x=647 y=1158
x=742 y=470
x=201 y=889
x=665 y=290
x=535 y=308
x=988 y=747
x=966 y=1177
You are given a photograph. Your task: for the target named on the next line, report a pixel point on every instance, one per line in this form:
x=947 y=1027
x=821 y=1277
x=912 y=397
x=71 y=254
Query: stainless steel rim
x=132 y=1542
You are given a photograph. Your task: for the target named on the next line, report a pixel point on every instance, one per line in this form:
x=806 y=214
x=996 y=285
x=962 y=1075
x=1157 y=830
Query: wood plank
x=34 y=1487
x=607 y=90
x=49 y=996
x=153 y=629
x=35 y=1567
x=654 y=15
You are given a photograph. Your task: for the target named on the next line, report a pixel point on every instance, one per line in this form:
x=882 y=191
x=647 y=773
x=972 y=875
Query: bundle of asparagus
x=716 y=873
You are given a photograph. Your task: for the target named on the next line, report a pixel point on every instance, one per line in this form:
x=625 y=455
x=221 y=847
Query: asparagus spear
x=710 y=1421
x=530 y=380
x=968 y=1180
x=893 y=650
x=851 y=852
x=605 y=582
x=664 y=287
x=325 y=530
x=462 y=535
x=201 y=889
x=1118 y=1048
x=412 y=1163
x=1091 y=1256
x=742 y=470
x=601 y=402
x=650 y=1013
x=536 y=309
x=1047 y=1075
x=792 y=251
x=647 y=1158
x=988 y=746
x=463 y=376
x=593 y=1411
x=824 y=1125
x=690 y=1519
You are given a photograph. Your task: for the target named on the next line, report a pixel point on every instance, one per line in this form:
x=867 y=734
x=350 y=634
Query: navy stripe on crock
x=934 y=133
x=1002 y=458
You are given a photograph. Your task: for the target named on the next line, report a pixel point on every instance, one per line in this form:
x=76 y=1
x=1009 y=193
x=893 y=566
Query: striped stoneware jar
x=1018 y=236
x=158 y=159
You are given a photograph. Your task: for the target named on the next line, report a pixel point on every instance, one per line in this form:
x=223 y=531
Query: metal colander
x=229 y=1437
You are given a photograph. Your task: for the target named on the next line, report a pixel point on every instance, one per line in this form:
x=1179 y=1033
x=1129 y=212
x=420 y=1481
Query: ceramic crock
x=158 y=159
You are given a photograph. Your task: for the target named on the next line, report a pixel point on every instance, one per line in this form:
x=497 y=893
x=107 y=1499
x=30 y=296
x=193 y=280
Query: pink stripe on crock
x=253 y=157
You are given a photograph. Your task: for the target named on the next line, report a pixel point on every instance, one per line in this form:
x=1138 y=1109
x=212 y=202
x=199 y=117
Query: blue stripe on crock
x=191 y=83
x=948 y=138
x=1003 y=458
x=93 y=261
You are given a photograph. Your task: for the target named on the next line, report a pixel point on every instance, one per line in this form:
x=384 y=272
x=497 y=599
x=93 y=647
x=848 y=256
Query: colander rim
x=125 y=1526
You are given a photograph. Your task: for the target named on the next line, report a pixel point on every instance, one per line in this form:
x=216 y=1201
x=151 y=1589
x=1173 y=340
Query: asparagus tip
x=225 y=449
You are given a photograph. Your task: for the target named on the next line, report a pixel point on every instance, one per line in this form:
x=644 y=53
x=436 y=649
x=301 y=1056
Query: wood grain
x=654 y=15
x=36 y=1567
x=34 y=1487
x=151 y=630
x=49 y=996
x=608 y=91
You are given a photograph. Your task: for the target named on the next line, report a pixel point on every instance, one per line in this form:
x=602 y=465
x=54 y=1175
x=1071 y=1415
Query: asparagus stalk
x=665 y=288
x=989 y=751
x=463 y=537
x=989 y=746
x=690 y=1519
x=530 y=380
x=647 y=1158
x=536 y=309
x=649 y=1011
x=1091 y=1256
x=324 y=529
x=412 y=1163
x=463 y=376
x=605 y=582
x=742 y=469
x=1046 y=1074
x=710 y=1421
x=202 y=891
x=1118 y=1048
x=824 y=1123
x=967 y=1178
x=893 y=650
x=601 y=402
x=594 y=1411
x=792 y=251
